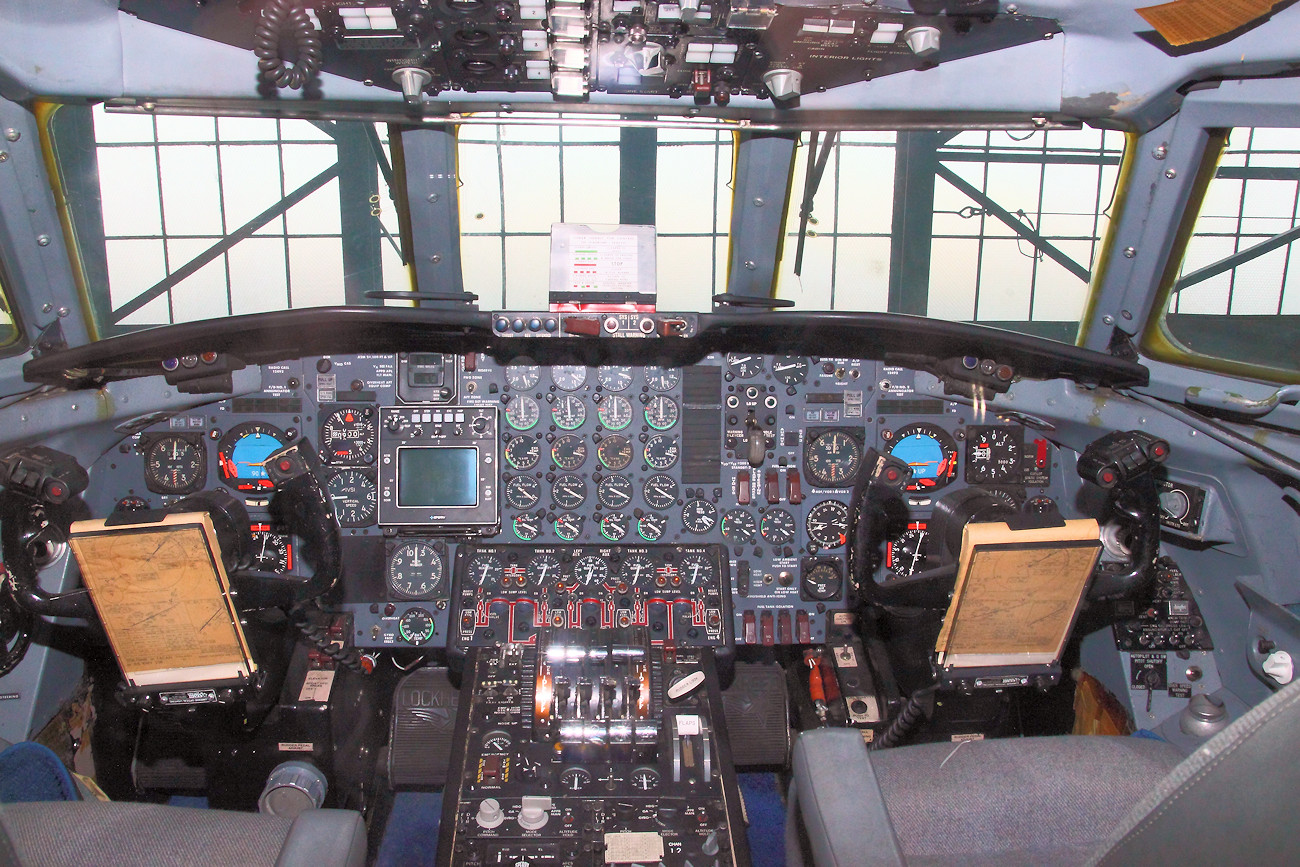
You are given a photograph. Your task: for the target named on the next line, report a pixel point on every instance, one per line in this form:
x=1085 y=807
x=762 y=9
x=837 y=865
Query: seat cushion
x=1039 y=801
x=95 y=833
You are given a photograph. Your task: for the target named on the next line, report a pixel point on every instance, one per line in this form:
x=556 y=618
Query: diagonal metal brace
x=245 y=231
x=994 y=209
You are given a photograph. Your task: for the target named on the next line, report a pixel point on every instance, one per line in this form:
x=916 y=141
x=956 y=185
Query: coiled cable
x=320 y=638
x=913 y=712
x=284 y=21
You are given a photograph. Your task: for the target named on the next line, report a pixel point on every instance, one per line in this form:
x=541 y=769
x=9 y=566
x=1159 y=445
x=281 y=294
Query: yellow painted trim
x=1157 y=341
x=45 y=112
x=1118 y=203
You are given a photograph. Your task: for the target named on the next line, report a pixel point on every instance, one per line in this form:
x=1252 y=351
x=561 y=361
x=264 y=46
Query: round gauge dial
x=175 y=465
x=272 y=550
x=242 y=455
x=526 y=526
x=821 y=581
x=569 y=452
x=832 y=458
x=1174 y=503
x=699 y=516
x=638 y=570
x=569 y=377
x=661 y=452
x=614 y=492
x=485 y=570
x=661 y=412
x=543 y=568
x=575 y=779
x=660 y=492
x=569 y=412
x=523 y=492
x=131 y=504
x=828 y=523
x=739 y=526
x=523 y=374
x=745 y=366
x=348 y=435
x=615 y=412
x=354 y=496
x=929 y=451
x=523 y=453
x=906 y=553
x=696 y=569
x=790 y=369
x=414 y=570
x=522 y=412
x=615 y=526
x=569 y=491
x=993 y=454
x=644 y=779
x=569 y=526
x=662 y=378
x=415 y=626
x=614 y=377
x=614 y=452
x=497 y=741
x=591 y=570
x=777 y=526
x=651 y=526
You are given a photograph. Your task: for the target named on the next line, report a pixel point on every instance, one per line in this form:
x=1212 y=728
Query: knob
x=1278 y=666
x=489 y=813
x=710 y=845
x=923 y=41
x=1203 y=716
x=534 y=812
x=479 y=425
x=413 y=80
x=783 y=84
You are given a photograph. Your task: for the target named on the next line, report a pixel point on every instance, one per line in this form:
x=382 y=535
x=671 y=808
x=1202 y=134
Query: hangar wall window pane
x=186 y=218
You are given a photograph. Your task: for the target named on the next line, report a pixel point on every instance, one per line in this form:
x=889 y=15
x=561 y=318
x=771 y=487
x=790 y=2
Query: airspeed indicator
x=832 y=459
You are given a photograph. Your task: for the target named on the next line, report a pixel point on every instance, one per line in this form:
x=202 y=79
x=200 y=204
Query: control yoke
x=1122 y=463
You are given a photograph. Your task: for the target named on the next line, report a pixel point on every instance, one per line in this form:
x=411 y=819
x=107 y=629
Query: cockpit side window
x=10 y=333
x=1235 y=301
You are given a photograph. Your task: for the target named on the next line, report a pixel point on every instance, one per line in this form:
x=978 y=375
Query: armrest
x=840 y=803
x=325 y=838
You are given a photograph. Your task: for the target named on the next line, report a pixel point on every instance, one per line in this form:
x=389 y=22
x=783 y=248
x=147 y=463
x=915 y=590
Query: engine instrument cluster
x=482 y=499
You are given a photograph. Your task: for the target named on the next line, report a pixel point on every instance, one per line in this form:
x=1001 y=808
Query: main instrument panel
x=464 y=481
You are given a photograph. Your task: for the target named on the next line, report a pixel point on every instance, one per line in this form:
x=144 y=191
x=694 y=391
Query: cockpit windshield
x=181 y=218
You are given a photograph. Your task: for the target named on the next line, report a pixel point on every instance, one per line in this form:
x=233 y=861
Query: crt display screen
x=437 y=477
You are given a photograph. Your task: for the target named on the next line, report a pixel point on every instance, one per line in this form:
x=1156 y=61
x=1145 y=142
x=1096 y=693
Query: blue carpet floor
x=411 y=835
x=766 y=812
x=31 y=772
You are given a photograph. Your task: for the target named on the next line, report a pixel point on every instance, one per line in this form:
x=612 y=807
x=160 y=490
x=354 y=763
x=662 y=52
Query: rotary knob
x=490 y=813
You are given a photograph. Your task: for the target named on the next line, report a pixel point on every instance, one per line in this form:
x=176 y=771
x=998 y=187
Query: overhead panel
x=704 y=51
